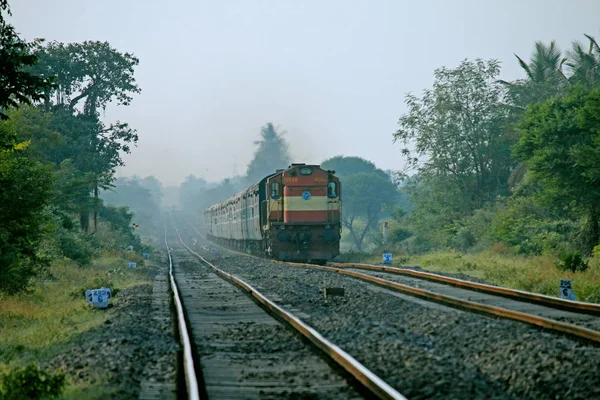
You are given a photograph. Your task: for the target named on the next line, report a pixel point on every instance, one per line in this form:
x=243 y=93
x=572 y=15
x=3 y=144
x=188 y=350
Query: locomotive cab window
x=275 y=190
x=332 y=190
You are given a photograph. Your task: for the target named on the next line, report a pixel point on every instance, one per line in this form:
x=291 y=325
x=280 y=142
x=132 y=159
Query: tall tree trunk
x=594 y=229
x=96 y=206
x=84 y=221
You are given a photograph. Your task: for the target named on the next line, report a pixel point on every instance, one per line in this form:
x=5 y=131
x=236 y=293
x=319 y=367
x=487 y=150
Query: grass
x=534 y=274
x=40 y=324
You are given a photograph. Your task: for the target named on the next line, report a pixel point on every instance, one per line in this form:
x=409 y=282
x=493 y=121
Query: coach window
x=332 y=190
x=275 y=190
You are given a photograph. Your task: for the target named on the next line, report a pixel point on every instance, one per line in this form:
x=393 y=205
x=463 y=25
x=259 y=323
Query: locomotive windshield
x=332 y=190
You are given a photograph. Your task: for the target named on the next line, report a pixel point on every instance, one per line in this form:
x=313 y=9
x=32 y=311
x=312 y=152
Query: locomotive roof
x=254 y=188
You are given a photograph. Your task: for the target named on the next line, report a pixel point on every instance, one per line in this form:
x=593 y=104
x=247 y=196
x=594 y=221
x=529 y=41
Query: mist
x=332 y=75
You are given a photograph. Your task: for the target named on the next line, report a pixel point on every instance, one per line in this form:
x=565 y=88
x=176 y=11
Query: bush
x=76 y=246
x=463 y=240
x=32 y=383
x=571 y=261
x=399 y=234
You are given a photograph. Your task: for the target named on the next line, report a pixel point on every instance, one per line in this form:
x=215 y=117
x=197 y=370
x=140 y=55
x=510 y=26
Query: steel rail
x=471 y=306
x=547 y=323
x=549 y=301
x=191 y=381
x=362 y=374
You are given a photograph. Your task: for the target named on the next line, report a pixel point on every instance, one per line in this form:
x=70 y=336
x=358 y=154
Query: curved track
x=244 y=352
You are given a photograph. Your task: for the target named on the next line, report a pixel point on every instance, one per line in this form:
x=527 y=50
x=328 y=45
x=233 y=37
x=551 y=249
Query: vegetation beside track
x=38 y=325
x=536 y=274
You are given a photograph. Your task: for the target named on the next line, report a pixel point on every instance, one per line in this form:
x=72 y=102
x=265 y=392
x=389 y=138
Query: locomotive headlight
x=306 y=171
x=327 y=226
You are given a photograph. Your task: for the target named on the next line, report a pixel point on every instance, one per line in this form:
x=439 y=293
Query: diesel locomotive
x=291 y=215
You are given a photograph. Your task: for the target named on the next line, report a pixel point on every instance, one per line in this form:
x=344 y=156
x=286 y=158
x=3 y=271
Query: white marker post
x=566 y=289
x=387 y=258
x=100 y=298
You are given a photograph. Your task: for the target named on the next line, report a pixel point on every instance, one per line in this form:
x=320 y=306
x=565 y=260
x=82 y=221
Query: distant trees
x=271 y=154
x=365 y=190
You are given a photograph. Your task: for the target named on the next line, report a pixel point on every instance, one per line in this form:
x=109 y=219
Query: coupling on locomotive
x=293 y=215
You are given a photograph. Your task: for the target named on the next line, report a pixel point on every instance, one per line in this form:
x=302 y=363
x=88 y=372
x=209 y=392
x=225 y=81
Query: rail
x=362 y=374
x=569 y=305
x=547 y=323
x=191 y=381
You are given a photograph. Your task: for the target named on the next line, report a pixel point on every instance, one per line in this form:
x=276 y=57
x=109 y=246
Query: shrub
x=399 y=234
x=76 y=246
x=463 y=240
x=571 y=261
x=32 y=383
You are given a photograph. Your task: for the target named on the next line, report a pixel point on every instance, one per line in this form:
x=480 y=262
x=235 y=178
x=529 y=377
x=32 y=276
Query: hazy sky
x=333 y=74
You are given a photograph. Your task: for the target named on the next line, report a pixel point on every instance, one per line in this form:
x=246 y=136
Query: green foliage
x=455 y=134
x=272 y=154
x=32 y=382
x=17 y=84
x=345 y=166
x=560 y=141
x=121 y=221
x=571 y=261
x=25 y=188
x=92 y=72
x=365 y=191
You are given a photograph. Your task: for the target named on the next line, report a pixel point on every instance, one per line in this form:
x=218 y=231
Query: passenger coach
x=293 y=214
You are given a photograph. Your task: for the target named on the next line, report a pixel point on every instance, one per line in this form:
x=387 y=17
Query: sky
x=332 y=74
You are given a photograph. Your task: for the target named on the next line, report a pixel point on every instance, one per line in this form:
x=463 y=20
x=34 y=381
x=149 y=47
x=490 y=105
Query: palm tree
x=546 y=64
x=545 y=77
x=585 y=65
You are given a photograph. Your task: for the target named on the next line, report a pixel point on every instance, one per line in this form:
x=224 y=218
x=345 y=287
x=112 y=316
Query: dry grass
x=37 y=325
x=533 y=274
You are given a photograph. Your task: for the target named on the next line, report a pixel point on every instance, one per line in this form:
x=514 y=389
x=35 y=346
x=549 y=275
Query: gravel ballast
x=131 y=350
x=426 y=350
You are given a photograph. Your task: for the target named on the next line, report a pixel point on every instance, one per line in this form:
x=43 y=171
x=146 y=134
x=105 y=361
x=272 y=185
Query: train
x=294 y=214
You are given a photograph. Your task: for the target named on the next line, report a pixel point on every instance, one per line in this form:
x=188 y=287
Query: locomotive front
x=304 y=212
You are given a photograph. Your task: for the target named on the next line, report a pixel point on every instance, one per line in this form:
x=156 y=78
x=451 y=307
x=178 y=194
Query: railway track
x=244 y=348
x=576 y=322
x=577 y=319
x=423 y=348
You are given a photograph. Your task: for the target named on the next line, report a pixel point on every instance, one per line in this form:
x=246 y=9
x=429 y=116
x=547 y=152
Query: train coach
x=291 y=215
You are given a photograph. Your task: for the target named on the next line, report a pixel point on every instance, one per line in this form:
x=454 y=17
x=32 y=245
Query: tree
x=17 y=85
x=585 y=65
x=344 y=166
x=560 y=142
x=271 y=154
x=191 y=191
x=544 y=77
x=363 y=197
x=365 y=191
x=25 y=190
x=91 y=72
x=155 y=187
x=459 y=135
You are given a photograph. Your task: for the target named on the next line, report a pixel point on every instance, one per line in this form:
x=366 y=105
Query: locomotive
x=291 y=215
